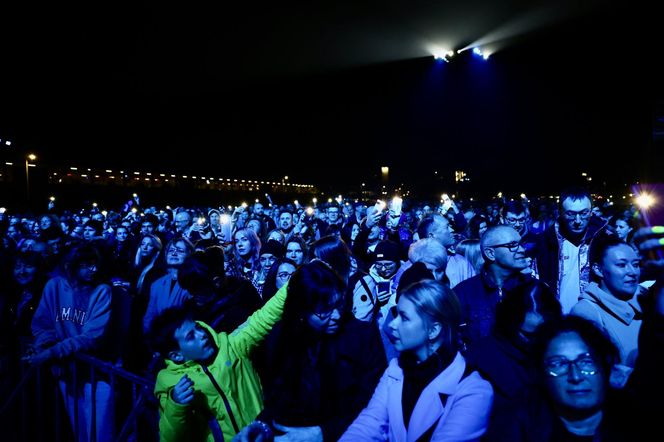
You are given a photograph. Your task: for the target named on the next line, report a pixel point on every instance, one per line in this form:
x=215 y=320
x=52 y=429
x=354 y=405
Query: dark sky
x=347 y=86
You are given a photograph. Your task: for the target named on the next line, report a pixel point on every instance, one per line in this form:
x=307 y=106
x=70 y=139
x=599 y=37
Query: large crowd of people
x=354 y=321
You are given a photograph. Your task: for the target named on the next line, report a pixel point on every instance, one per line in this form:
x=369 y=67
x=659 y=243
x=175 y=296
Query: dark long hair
x=313 y=285
x=334 y=251
x=532 y=296
x=83 y=254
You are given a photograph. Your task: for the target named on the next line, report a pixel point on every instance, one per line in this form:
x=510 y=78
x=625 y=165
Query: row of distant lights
x=557 y=198
x=446 y=55
x=163 y=175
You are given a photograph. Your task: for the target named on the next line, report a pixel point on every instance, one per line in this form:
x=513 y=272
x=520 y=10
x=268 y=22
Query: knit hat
x=387 y=251
x=273 y=248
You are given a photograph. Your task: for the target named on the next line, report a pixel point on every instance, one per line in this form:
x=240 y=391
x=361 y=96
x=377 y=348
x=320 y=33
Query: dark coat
x=329 y=384
x=236 y=300
x=479 y=296
x=507 y=366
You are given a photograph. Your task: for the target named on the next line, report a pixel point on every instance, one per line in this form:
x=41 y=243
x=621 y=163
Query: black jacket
x=329 y=384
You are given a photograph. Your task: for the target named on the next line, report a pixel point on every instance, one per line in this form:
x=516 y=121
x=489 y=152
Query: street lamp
x=30 y=157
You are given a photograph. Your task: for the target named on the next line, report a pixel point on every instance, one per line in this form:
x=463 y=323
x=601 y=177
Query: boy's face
x=195 y=342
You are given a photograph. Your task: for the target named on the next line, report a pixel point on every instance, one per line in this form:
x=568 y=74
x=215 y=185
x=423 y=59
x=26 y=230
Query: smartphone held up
x=649 y=201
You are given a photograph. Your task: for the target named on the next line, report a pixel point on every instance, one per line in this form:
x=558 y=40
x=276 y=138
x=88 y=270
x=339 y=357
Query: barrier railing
x=84 y=385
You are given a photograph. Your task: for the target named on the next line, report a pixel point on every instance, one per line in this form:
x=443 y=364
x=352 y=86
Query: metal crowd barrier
x=31 y=412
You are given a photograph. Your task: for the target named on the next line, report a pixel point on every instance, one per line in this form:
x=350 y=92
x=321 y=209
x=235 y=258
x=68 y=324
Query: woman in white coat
x=428 y=393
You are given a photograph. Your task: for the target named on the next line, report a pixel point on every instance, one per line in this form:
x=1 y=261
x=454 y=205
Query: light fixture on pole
x=30 y=157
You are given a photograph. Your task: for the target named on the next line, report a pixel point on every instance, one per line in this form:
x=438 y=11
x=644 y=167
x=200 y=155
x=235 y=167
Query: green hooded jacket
x=234 y=375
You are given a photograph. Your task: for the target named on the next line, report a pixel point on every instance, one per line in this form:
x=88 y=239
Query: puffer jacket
x=230 y=378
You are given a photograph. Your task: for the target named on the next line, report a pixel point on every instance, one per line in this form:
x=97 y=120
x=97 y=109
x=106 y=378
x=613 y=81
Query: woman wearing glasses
x=166 y=291
x=279 y=274
x=573 y=359
x=322 y=363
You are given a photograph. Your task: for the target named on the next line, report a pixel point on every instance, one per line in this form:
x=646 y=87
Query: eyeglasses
x=176 y=250
x=284 y=275
x=385 y=265
x=89 y=265
x=571 y=214
x=560 y=366
x=511 y=246
x=326 y=315
x=516 y=220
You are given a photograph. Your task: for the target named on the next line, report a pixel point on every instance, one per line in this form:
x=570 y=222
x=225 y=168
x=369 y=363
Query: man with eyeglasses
x=375 y=293
x=504 y=260
x=561 y=251
x=182 y=223
x=334 y=221
x=516 y=214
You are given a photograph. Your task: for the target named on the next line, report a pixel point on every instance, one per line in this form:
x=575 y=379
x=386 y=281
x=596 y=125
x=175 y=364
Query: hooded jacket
x=620 y=319
x=229 y=378
x=70 y=319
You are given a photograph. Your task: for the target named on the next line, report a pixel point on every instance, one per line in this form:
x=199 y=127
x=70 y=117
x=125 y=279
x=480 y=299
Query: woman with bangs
x=246 y=254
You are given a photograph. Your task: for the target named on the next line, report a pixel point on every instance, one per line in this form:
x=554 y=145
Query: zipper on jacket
x=224 y=398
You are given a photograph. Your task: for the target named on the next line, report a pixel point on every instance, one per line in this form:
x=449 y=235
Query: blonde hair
x=436 y=302
x=470 y=249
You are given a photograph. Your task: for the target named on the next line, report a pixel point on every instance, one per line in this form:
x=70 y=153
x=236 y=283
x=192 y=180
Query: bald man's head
x=501 y=246
x=498 y=235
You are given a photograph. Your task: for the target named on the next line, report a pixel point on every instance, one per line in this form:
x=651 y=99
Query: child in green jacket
x=209 y=384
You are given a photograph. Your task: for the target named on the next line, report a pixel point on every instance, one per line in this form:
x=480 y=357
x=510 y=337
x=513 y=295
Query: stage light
x=443 y=54
x=480 y=53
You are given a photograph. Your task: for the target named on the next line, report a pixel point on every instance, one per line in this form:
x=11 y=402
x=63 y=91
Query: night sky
x=346 y=87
